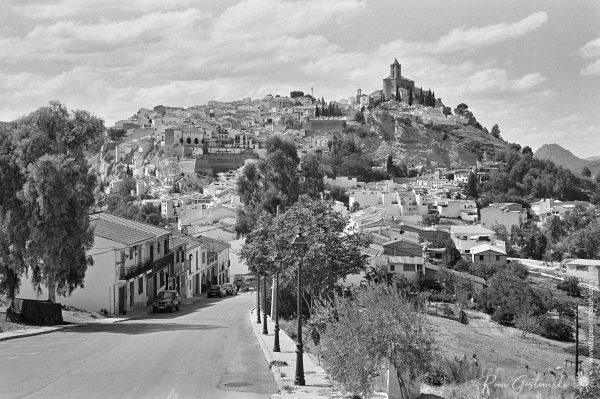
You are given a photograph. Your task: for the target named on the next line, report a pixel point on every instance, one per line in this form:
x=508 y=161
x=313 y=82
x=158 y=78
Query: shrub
x=558 y=330
x=526 y=322
x=518 y=269
x=444 y=136
x=503 y=316
x=570 y=285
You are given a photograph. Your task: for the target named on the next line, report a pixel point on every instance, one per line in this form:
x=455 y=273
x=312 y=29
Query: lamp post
x=265 y=331
x=278 y=261
x=299 y=247
x=258 y=298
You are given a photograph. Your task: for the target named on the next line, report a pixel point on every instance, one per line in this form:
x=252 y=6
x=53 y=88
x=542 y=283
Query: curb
x=268 y=355
x=33 y=334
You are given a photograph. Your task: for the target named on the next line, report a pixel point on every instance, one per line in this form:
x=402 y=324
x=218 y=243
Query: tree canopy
x=46 y=197
x=332 y=254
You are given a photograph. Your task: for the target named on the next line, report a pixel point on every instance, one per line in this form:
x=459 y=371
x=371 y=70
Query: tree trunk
x=51 y=290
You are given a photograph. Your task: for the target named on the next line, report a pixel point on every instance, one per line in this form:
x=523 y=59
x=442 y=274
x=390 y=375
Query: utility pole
x=576 y=339
x=274 y=287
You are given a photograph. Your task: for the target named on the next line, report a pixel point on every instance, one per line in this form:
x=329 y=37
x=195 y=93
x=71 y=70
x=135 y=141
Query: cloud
x=468 y=38
x=495 y=80
x=591 y=49
x=591 y=69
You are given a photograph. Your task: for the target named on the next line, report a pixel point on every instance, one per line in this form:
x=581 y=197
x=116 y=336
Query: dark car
x=167 y=299
x=230 y=289
x=216 y=290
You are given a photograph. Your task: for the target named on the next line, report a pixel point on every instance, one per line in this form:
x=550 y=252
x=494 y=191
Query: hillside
x=561 y=156
x=596 y=158
x=415 y=143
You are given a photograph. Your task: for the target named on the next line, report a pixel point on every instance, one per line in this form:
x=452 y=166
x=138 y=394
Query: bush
x=558 y=330
x=503 y=316
x=570 y=285
x=517 y=269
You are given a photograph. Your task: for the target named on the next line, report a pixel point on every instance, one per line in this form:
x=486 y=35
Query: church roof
x=395 y=62
x=402 y=77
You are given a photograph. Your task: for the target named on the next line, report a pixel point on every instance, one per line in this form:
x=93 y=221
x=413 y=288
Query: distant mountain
x=596 y=158
x=561 y=156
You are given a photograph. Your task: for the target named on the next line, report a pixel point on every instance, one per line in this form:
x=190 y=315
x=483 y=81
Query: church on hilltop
x=396 y=80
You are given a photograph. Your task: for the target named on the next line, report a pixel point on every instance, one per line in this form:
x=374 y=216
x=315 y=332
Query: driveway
x=206 y=350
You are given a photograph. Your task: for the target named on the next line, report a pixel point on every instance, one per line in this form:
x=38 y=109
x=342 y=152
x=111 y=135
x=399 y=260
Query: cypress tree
x=410 y=96
x=317 y=113
x=397 y=94
x=421 y=97
x=433 y=99
x=472 y=186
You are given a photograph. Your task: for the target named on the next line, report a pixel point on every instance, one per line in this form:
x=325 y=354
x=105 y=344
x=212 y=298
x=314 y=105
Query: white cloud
x=591 y=69
x=468 y=38
x=591 y=49
x=494 y=80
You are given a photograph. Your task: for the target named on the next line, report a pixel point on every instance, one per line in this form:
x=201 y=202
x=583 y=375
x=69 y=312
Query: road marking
x=11 y=358
x=20 y=353
x=173 y=394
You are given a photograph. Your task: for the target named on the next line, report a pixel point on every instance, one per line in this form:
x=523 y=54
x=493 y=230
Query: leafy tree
x=331 y=255
x=554 y=229
x=527 y=150
x=432 y=219
x=338 y=193
x=355 y=207
x=586 y=172
x=598 y=178
x=496 y=131
x=441 y=240
x=52 y=232
x=359 y=117
x=116 y=133
x=410 y=96
x=295 y=94
x=181 y=140
x=472 y=186
x=527 y=323
x=570 y=285
x=361 y=333
x=313 y=173
x=451 y=256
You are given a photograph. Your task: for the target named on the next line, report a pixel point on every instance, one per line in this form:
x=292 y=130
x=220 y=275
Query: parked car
x=168 y=299
x=230 y=289
x=216 y=290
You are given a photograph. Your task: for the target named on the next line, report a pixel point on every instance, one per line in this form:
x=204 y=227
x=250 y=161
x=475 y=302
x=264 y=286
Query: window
x=162 y=279
x=467 y=251
x=141 y=285
x=166 y=245
x=481 y=257
x=392 y=268
x=158 y=249
x=409 y=268
x=581 y=268
x=464 y=237
x=196 y=260
x=130 y=252
x=151 y=253
x=203 y=257
x=177 y=255
x=497 y=257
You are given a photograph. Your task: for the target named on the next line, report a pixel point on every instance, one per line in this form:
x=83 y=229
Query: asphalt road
x=206 y=350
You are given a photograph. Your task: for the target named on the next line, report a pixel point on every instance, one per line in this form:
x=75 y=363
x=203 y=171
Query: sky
x=532 y=67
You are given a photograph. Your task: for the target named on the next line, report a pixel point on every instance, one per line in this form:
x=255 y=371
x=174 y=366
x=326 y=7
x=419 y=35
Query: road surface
x=206 y=350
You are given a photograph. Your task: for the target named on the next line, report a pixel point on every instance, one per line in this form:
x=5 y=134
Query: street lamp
x=299 y=248
x=278 y=261
x=265 y=331
x=258 y=298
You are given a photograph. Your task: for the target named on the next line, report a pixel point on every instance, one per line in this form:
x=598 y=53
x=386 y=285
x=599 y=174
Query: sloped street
x=206 y=350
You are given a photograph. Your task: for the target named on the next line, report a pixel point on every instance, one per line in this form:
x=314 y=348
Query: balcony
x=127 y=273
x=179 y=268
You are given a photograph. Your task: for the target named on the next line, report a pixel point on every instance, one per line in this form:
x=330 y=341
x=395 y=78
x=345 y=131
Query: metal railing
x=129 y=272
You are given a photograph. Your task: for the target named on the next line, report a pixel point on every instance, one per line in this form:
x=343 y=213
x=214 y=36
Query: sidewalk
x=132 y=315
x=283 y=366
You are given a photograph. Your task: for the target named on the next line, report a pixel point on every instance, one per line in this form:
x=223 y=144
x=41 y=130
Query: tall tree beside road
x=268 y=183
x=410 y=96
x=332 y=255
x=55 y=193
